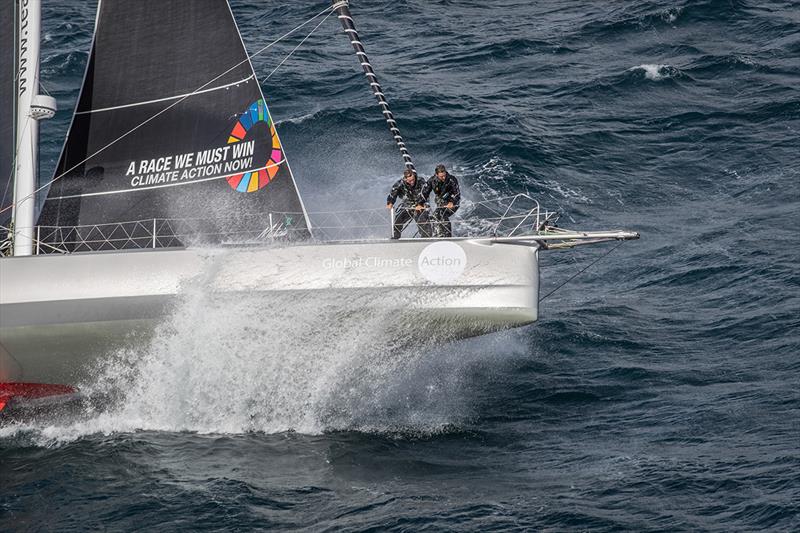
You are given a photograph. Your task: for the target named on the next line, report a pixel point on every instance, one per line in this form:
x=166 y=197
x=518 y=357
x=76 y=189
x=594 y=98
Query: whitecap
x=297 y=120
x=671 y=15
x=657 y=72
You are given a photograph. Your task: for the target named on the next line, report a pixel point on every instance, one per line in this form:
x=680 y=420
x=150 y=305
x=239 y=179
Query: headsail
x=8 y=47
x=171 y=124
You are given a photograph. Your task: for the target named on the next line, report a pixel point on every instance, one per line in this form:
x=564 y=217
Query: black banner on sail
x=171 y=124
x=8 y=47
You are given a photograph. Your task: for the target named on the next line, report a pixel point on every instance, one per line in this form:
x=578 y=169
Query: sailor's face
x=410 y=179
x=441 y=175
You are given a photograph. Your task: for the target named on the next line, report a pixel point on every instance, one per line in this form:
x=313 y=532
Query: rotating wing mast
x=342 y=10
x=30 y=107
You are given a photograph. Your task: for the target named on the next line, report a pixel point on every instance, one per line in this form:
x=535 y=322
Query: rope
x=14 y=167
x=248 y=58
x=279 y=66
x=298 y=46
x=582 y=271
x=341 y=7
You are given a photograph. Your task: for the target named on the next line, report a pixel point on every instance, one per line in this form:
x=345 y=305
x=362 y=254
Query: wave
x=622 y=84
x=56 y=65
x=510 y=49
x=298 y=120
x=638 y=17
x=656 y=72
x=707 y=65
x=644 y=16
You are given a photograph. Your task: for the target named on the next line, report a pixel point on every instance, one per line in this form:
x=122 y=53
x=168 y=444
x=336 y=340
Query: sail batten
x=167 y=98
x=151 y=187
x=171 y=123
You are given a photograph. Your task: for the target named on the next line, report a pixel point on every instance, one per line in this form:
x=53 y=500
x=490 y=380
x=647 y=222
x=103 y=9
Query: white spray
x=314 y=362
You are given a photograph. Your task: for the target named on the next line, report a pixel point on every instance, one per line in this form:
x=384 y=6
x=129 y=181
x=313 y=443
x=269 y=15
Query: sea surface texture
x=659 y=391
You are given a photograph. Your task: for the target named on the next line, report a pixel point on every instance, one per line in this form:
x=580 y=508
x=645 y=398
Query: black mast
x=342 y=9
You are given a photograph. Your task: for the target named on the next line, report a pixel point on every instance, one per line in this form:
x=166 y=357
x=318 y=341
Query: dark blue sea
x=660 y=389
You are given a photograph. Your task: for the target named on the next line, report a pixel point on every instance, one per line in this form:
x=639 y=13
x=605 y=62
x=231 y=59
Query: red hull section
x=12 y=392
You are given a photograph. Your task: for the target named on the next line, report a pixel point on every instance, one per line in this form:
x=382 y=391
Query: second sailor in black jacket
x=409 y=188
x=448 y=197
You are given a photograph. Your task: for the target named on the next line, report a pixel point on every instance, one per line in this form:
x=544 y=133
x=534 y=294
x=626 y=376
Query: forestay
x=171 y=123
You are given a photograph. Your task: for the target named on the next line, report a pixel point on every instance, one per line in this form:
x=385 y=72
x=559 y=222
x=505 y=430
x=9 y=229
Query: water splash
x=231 y=364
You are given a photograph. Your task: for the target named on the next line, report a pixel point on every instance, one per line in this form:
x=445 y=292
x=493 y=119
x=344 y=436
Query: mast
x=342 y=9
x=31 y=107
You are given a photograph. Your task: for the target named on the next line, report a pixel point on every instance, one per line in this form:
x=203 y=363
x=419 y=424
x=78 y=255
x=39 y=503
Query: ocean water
x=660 y=390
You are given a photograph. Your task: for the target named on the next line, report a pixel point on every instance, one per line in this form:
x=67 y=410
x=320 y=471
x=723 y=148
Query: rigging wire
x=582 y=271
x=279 y=66
x=248 y=58
x=298 y=46
x=19 y=143
x=14 y=167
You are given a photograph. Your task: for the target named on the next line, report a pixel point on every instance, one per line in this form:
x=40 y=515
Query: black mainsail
x=171 y=124
x=8 y=60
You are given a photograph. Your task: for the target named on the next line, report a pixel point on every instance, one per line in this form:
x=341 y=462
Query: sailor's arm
x=393 y=194
x=422 y=199
x=455 y=193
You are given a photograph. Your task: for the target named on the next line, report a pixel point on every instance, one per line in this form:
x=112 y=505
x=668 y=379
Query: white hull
x=59 y=314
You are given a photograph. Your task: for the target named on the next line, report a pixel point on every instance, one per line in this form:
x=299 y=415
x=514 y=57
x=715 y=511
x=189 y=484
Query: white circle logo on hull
x=442 y=262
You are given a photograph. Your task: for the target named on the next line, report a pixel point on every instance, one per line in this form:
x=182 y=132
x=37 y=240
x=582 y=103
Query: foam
x=297 y=120
x=224 y=365
x=671 y=15
x=657 y=72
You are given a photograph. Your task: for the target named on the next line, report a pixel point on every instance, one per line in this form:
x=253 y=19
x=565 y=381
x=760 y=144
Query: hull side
x=60 y=314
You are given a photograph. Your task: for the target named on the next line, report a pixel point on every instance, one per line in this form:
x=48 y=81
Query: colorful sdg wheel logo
x=257 y=179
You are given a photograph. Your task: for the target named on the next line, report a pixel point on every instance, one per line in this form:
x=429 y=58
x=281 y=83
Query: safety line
x=296 y=47
x=582 y=271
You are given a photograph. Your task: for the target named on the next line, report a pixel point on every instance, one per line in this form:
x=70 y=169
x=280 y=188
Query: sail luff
x=286 y=159
x=80 y=89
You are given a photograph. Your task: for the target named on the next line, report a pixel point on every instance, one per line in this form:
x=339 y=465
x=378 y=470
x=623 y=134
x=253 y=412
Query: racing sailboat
x=173 y=169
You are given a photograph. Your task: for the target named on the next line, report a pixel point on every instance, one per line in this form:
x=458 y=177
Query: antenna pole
x=342 y=9
x=31 y=107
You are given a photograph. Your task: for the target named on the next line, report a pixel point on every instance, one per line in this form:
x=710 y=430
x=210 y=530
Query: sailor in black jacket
x=409 y=189
x=448 y=196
